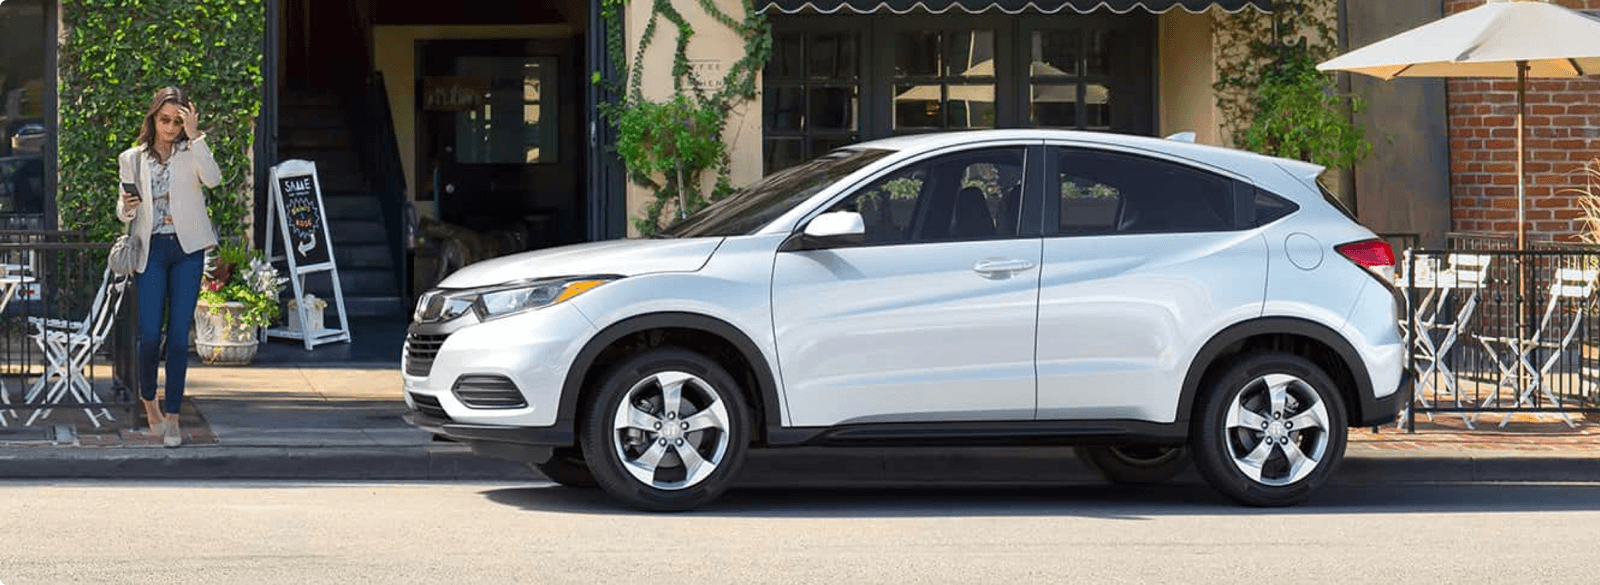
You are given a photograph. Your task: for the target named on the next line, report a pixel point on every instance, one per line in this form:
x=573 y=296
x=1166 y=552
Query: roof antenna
x=1182 y=137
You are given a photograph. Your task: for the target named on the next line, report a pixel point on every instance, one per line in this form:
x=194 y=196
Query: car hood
x=620 y=257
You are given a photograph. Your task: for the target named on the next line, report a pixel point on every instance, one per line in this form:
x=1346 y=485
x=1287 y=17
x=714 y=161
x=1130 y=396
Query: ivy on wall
x=668 y=145
x=115 y=55
x=1271 y=96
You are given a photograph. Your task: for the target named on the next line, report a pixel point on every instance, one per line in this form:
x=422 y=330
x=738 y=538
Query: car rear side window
x=1115 y=193
x=1270 y=208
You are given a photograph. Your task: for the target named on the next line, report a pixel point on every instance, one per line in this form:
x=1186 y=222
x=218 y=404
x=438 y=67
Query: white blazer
x=191 y=166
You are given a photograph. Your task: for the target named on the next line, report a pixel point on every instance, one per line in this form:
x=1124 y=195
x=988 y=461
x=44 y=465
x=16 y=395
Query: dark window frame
x=875 y=52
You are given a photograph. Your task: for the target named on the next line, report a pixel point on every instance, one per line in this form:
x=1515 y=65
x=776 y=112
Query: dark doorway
x=499 y=144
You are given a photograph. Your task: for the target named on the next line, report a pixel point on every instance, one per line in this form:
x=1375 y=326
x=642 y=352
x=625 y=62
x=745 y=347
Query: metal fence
x=1497 y=330
x=59 y=320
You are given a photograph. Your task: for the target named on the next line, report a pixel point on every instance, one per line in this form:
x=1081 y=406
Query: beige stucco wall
x=713 y=48
x=1186 y=70
x=394 y=53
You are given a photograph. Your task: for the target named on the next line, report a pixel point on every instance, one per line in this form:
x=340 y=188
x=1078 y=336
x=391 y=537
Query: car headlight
x=503 y=300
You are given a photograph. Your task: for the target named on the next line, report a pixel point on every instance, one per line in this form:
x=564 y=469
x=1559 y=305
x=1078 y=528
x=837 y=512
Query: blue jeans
x=169 y=287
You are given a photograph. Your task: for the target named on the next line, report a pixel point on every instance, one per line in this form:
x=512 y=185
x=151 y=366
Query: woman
x=168 y=215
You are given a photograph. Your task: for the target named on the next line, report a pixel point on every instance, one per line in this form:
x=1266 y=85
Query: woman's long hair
x=147 y=133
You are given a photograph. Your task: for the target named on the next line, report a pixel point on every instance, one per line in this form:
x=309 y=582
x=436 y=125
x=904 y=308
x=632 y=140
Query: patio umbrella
x=1503 y=38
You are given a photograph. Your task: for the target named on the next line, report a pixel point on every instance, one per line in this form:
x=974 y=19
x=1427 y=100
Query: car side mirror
x=829 y=230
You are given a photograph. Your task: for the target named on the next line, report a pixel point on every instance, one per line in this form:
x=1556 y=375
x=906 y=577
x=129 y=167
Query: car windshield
x=753 y=207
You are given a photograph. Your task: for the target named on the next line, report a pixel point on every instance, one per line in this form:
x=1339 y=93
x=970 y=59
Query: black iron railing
x=1495 y=330
x=59 y=311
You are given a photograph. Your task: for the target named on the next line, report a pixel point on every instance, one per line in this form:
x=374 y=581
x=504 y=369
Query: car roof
x=1214 y=155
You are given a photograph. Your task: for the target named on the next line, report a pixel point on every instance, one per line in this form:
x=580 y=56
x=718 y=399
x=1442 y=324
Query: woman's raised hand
x=191 y=121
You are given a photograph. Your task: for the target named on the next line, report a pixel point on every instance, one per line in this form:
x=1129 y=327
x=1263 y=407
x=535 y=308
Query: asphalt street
x=220 y=532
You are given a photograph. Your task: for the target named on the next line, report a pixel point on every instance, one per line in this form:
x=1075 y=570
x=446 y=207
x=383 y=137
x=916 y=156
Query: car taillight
x=1374 y=255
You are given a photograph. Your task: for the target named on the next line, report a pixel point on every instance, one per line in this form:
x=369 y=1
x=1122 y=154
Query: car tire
x=566 y=468
x=1135 y=464
x=652 y=458
x=1245 y=439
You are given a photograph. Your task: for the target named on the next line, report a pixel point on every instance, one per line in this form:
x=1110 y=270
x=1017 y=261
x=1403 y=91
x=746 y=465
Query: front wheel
x=668 y=430
x=1270 y=431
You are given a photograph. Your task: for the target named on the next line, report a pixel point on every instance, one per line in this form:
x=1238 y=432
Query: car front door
x=932 y=317
x=1144 y=264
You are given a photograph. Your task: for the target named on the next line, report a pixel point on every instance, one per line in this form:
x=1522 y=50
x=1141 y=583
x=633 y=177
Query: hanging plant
x=668 y=145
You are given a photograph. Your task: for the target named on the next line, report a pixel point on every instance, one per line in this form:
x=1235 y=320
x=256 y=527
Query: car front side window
x=967 y=196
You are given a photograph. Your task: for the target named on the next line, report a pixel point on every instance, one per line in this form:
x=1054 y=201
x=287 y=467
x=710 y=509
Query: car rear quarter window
x=1116 y=193
x=1270 y=208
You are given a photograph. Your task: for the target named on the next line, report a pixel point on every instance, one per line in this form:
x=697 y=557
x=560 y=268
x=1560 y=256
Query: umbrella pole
x=1522 y=203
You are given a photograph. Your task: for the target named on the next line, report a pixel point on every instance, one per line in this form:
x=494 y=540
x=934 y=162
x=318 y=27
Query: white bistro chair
x=1572 y=287
x=69 y=347
x=1466 y=273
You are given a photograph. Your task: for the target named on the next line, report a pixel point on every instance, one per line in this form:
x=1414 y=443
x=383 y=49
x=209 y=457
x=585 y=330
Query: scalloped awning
x=1002 y=6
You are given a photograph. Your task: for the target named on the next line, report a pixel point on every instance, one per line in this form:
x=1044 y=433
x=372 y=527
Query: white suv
x=1148 y=300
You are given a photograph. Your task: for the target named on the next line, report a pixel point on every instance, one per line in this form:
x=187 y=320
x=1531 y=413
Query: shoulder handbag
x=126 y=250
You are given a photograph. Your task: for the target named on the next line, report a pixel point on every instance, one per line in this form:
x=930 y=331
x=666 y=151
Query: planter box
x=220 y=336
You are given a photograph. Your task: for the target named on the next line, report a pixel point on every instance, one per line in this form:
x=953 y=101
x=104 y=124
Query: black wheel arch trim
x=1367 y=407
x=572 y=387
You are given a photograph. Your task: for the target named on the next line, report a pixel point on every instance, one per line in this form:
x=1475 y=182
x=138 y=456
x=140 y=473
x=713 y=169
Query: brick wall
x=1563 y=122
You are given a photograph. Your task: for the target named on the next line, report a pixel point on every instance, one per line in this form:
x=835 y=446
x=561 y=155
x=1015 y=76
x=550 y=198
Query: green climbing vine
x=668 y=145
x=1271 y=96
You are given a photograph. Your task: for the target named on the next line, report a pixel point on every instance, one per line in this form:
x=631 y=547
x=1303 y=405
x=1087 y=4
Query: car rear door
x=1144 y=264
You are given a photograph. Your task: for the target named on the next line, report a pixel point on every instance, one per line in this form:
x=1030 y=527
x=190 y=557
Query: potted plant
x=238 y=297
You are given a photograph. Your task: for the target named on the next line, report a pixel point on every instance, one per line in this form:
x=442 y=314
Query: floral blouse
x=160 y=188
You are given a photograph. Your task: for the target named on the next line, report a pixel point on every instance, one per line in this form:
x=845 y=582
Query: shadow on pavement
x=1095 y=501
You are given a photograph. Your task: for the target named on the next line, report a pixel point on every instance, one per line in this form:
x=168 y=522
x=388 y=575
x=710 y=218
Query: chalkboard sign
x=296 y=209
x=302 y=209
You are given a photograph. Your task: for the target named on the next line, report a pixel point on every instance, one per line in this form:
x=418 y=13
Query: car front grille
x=420 y=351
x=429 y=406
x=488 y=392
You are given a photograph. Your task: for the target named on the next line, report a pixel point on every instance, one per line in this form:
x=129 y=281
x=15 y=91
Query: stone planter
x=220 y=336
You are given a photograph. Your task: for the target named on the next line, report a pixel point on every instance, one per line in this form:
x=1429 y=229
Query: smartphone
x=132 y=188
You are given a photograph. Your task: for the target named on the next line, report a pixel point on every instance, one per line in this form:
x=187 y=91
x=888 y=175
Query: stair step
x=301 y=138
x=313 y=118
x=364 y=256
x=309 y=98
x=340 y=207
x=357 y=282
x=358 y=231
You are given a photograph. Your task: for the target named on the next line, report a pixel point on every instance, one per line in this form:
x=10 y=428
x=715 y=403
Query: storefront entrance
x=436 y=127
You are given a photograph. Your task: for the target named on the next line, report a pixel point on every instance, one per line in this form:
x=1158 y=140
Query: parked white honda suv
x=1150 y=301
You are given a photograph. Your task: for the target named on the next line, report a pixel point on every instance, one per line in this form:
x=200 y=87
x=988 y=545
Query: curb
x=840 y=467
x=1469 y=467
x=280 y=463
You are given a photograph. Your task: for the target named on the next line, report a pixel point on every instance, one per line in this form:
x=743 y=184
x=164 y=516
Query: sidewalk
x=337 y=422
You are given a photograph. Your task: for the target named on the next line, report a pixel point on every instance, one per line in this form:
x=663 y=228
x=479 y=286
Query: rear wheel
x=1135 y=464
x=1270 y=431
x=667 y=430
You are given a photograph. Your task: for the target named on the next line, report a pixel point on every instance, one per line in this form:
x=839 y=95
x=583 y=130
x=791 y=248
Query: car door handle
x=993 y=268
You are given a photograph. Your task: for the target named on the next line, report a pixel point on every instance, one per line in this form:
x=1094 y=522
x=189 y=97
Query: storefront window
x=837 y=79
x=812 y=96
x=25 y=123
x=944 y=79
